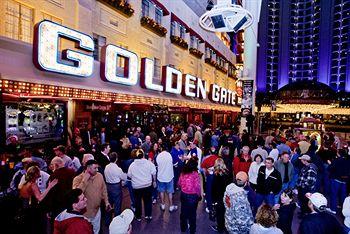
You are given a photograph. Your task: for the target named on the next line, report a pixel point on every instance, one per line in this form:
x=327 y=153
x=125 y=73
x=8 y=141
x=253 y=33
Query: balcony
x=153 y=26
x=210 y=62
x=221 y=68
x=179 y=42
x=122 y=6
x=197 y=53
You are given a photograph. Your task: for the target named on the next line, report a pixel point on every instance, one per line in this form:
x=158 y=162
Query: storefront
x=43 y=98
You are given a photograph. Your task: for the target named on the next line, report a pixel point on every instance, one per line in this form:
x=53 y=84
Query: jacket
x=238 y=215
x=70 y=223
x=272 y=184
x=279 y=166
x=240 y=164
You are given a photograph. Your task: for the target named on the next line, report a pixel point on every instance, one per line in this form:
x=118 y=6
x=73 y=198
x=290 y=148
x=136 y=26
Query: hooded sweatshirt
x=71 y=223
x=238 y=216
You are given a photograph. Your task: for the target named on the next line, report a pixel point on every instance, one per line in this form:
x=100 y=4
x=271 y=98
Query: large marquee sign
x=80 y=62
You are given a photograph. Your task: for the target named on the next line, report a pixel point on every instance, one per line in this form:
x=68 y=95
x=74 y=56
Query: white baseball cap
x=317 y=199
x=120 y=224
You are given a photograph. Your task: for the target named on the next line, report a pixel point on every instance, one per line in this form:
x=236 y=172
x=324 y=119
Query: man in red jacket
x=242 y=162
x=71 y=220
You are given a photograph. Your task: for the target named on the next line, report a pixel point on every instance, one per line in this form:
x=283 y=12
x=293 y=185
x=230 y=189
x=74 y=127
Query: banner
x=247 y=100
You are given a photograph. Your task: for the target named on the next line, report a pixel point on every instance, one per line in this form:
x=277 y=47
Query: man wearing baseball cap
x=121 y=224
x=238 y=214
x=306 y=182
x=319 y=221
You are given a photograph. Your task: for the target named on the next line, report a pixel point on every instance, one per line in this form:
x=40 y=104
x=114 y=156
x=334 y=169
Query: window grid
x=19 y=21
x=304 y=40
x=340 y=44
x=272 y=46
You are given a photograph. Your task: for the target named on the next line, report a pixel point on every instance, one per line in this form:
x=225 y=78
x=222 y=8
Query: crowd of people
x=248 y=183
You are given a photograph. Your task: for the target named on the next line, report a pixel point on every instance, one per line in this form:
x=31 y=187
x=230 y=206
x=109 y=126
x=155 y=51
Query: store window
x=34 y=122
x=19 y=21
x=99 y=41
x=51 y=18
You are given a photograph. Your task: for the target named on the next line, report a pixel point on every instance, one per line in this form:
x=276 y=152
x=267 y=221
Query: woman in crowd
x=285 y=210
x=31 y=196
x=152 y=155
x=190 y=185
x=254 y=169
x=220 y=182
x=126 y=160
x=266 y=220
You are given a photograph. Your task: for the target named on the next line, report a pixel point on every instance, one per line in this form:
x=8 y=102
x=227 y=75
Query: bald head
x=87 y=157
x=57 y=163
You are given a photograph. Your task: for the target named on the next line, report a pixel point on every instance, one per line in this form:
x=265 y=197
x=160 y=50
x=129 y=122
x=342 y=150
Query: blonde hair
x=125 y=143
x=266 y=216
x=219 y=166
x=32 y=174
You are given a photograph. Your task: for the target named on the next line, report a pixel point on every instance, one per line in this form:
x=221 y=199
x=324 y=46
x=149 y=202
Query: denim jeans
x=188 y=215
x=326 y=180
x=128 y=185
x=268 y=198
x=115 y=197
x=145 y=195
x=338 y=190
x=209 y=185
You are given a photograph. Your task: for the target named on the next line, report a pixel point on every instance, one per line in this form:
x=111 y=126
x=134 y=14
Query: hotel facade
x=38 y=103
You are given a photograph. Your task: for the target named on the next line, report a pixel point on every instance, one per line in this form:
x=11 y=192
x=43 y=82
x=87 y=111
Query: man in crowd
x=319 y=221
x=208 y=168
x=94 y=188
x=269 y=183
x=238 y=215
x=122 y=223
x=146 y=146
x=114 y=176
x=54 y=200
x=339 y=173
x=286 y=169
x=183 y=143
x=103 y=158
x=198 y=136
x=259 y=150
x=27 y=153
x=306 y=182
x=60 y=151
x=165 y=179
x=71 y=220
x=242 y=162
x=274 y=153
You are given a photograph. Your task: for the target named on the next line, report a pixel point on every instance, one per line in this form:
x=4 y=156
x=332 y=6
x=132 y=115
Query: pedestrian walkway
x=169 y=223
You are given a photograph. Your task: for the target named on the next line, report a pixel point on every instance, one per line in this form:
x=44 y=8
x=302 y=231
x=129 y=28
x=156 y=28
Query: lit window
x=19 y=21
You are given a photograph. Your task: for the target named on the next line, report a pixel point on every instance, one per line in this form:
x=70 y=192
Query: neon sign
x=47 y=57
x=46 y=52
